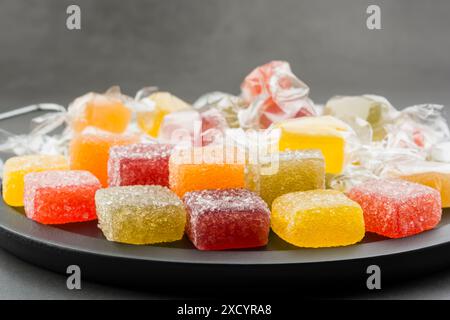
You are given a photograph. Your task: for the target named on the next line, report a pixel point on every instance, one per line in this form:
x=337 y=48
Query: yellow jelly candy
x=325 y=133
x=140 y=214
x=164 y=103
x=16 y=168
x=317 y=218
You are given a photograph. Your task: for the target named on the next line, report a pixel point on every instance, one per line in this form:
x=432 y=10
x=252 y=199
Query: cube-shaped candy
x=89 y=150
x=103 y=111
x=433 y=174
x=139 y=164
x=396 y=208
x=226 y=219
x=317 y=218
x=62 y=196
x=202 y=168
x=16 y=168
x=325 y=133
x=140 y=214
x=289 y=171
x=164 y=103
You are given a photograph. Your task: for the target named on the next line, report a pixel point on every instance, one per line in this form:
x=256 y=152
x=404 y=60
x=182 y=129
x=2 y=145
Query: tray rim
x=16 y=224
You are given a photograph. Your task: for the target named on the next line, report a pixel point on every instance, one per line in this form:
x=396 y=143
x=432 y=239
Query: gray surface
x=191 y=47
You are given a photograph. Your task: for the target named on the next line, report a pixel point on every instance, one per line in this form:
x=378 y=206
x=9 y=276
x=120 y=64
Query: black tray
x=178 y=263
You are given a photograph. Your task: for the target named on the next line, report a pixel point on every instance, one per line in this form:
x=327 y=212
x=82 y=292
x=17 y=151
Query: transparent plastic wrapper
x=111 y=111
x=417 y=127
x=366 y=114
x=440 y=152
x=38 y=140
x=227 y=104
x=273 y=93
x=193 y=127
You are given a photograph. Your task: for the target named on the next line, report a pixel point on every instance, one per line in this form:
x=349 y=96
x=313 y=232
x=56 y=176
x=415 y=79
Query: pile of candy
x=154 y=167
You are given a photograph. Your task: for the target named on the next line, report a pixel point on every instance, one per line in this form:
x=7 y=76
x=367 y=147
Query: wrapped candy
x=227 y=104
x=358 y=111
x=159 y=104
x=417 y=127
x=108 y=111
x=274 y=93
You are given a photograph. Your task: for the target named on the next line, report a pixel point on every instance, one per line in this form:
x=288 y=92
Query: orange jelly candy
x=89 y=150
x=105 y=112
x=203 y=168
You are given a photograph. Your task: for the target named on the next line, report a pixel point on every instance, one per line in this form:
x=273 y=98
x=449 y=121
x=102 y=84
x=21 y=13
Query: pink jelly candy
x=226 y=219
x=274 y=94
x=396 y=208
x=62 y=196
x=139 y=164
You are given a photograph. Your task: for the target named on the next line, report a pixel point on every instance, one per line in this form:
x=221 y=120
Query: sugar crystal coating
x=16 y=168
x=226 y=219
x=139 y=164
x=62 y=196
x=140 y=214
x=396 y=208
x=317 y=218
x=290 y=171
x=206 y=168
x=89 y=151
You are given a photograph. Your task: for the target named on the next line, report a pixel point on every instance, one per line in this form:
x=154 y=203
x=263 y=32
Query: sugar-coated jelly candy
x=89 y=150
x=317 y=218
x=104 y=111
x=140 y=214
x=289 y=171
x=226 y=219
x=325 y=133
x=164 y=103
x=16 y=168
x=139 y=164
x=61 y=196
x=206 y=168
x=395 y=208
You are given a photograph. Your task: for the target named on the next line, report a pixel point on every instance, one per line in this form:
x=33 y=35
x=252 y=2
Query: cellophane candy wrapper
x=366 y=114
x=273 y=93
x=226 y=104
x=417 y=127
x=39 y=140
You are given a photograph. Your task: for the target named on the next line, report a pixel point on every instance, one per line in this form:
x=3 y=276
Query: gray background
x=192 y=47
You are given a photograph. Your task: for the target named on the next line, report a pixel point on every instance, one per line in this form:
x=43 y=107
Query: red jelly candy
x=63 y=196
x=396 y=208
x=226 y=219
x=139 y=164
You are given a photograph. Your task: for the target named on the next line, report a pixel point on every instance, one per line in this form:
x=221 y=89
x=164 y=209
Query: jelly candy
x=164 y=103
x=209 y=167
x=140 y=214
x=373 y=109
x=228 y=105
x=292 y=171
x=274 y=94
x=89 y=150
x=317 y=218
x=226 y=219
x=16 y=168
x=325 y=133
x=61 y=196
x=106 y=111
x=395 y=208
x=139 y=164
x=435 y=175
